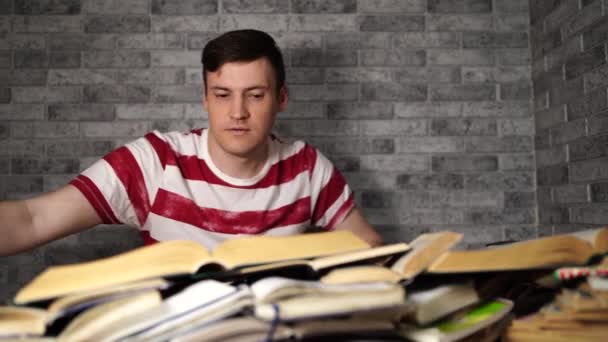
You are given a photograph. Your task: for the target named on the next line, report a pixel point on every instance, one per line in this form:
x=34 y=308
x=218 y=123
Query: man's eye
x=256 y=96
x=221 y=95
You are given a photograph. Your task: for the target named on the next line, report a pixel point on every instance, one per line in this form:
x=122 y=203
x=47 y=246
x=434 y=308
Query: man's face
x=242 y=101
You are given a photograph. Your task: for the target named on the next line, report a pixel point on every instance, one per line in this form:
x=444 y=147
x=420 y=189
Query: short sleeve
x=122 y=185
x=332 y=199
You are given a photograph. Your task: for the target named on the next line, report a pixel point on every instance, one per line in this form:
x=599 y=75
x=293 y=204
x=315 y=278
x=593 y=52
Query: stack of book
x=320 y=286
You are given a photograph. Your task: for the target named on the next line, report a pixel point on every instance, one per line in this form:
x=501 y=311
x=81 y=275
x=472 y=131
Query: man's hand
x=356 y=223
x=28 y=223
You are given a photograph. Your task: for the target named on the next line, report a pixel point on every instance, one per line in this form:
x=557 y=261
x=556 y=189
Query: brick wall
x=570 y=76
x=425 y=105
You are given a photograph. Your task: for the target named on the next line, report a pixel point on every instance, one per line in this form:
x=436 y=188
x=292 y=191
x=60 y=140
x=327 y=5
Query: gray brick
x=359 y=110
x=556 y=18
x=255 y=6
x=556 y=57
x=460 y=57
x=499 y=144
x=81 y=112
x=342 y=92
x=381 y=200
x=430 y=181
x=354 y=75
x=4 y=131
x=514 y=91
x=550 y=117
x=5 y=95
x=552 y=156
x=177 y=94
x=516 y=162
x=595 y=34
x=151 y=41
x=427 y=109
x=80 y=76
x=197 y=41
x=4 y=166
x=178 y=126
x=5 y=23
x=590 y=215
x=23 y=184
x=429 y=144
x=268 y=22
x=44 y=130
x=511 y=6
x=321 y=6
x=358 y=40
x=194 y=76
x=22 y=41
x=597 y=125
x=322 y=22
x=542 y=139
x=589 y=170
x=552 y=175
x=516 y=127
x=597 y=78
x=44 y=166
x=184 y=7
x=504 y=216
x=565 y=91
x=380 y=216
x=31 y=59
x=195 y=111
x=571 y=193
x=584 y=62
x=47 y=7
x=151 y=111
x=21 y=112
x=6 y=59
x=116 y=93
x=392 y=57
x=117 y=59
x=447 y=6
x=6 y=7
x=116 y=6
x=75 y=41
x=64 y=59
x=512 y=74
x=406 y=40
x=588 y=148
x=189 y=23
x=406 y=127
x=495 y=39
x=392 y=6
x=427 y=75
x=520 y=233
x=431 y=216
x=151 y=76
x=25 y=147
x=50 y=23
x=466 y=198
x=459 y=22
x=397 y=163
x=117 y=24
x=508 y=22
x=463 y=127
x=114 y=129
x=500 y=181
x=520 y=199
x=347 y=163
x=541 y=101
x=298 y=40
x=478 y=74
x=462 y=92
x=317 y=75
x=392 y=23
x=568 y=131
x=46 y=94
x=546 y=80
x=300 y=128
x=175 y=58
x=349 y=146
x=316 y=57
x=599 y=192
x=586 y=16
x=513 y=57
x=379 y=91
x=23 y=77
x=464 y=163
x=587 y=105
x=308 y=92
x=544 y=195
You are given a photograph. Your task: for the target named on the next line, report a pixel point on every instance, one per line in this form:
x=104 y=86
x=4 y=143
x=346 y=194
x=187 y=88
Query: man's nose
x=239 y=108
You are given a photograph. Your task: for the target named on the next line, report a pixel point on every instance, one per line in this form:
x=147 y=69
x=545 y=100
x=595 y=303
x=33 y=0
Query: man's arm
x=28 y=223
x=356 y=223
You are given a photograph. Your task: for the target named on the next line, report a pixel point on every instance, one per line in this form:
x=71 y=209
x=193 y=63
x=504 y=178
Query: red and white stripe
x=167 y=185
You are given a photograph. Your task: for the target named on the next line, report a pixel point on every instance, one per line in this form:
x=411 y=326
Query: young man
x=207 y=185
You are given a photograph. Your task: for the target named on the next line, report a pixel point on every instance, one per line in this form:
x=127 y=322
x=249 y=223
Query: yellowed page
x=263 y=249
x=21 y=321
x=161 y=259
x=361 y=274
x=348 y=257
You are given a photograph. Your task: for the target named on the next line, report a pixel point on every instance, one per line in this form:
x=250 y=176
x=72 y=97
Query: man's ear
x=283 y=98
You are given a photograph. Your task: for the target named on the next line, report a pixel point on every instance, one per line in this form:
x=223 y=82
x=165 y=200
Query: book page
x=264 y=249
x=161 y=259
x=21 y=321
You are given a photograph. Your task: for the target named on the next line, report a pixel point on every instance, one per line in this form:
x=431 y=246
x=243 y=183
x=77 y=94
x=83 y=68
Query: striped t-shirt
x=167 y=185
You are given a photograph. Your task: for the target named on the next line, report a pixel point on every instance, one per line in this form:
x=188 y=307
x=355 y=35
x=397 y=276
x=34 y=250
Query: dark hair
x=243 y=46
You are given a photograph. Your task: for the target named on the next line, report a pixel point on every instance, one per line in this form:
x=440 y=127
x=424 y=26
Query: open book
x=183 y=257
x=559 y=250
x=17 y=322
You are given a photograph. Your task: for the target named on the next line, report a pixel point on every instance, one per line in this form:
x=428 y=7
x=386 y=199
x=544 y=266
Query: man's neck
x=240 y=167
